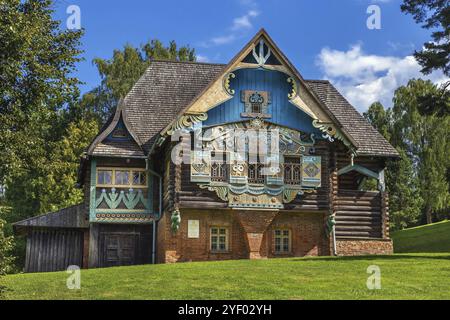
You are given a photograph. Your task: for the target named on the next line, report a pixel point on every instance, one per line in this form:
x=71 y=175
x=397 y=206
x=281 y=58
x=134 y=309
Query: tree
x=380 y=119
x=426 y=141
x=432 y=14
x=402 y=183
x=5 y=246
x=405 y=200
x=121 y=72
x=36 y=84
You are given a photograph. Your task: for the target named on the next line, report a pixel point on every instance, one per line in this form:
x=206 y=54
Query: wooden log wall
x=358 y=214
x=53 y=250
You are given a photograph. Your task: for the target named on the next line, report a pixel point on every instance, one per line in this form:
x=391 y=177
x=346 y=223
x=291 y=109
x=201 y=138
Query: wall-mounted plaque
x=193 y=229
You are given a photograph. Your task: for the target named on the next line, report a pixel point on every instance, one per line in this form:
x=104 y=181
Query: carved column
x=333 y=194
x=384 y=215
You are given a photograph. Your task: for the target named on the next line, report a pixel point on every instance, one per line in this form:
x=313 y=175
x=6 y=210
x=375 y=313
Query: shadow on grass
x=375 y=257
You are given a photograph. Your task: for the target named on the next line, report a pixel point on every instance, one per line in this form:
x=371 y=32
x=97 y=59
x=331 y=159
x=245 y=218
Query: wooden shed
x=55 y=240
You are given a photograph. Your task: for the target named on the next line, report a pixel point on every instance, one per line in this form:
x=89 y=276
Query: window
x=282 y=241
x=256 y=101
x=219 y=239
x=292 y=170
x=104 y=177
x=255 y=173
x=139 y=178
x=133 y=178
x=218 y=171
x=119 y=133
x=122 y=177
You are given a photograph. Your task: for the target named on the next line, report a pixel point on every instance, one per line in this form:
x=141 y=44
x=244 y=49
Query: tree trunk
x=428 y=214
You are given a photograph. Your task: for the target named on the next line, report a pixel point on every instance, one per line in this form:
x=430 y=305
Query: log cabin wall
x=191 y=196
x=360 y=214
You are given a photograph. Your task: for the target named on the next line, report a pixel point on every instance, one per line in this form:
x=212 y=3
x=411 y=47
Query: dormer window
x=119 y=133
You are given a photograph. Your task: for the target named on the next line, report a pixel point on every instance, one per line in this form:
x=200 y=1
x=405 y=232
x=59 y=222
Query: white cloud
x=238 y=26
x=201 y=58
x=244 y=22
x=364 y=78
x=222 y=39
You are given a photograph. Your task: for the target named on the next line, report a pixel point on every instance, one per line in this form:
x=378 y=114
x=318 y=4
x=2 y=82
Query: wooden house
x=165 y=180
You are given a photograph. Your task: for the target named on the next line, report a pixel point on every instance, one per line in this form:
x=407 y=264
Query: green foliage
x=417 y=182
x=42 y=134
x=6 y=244
x=121 y=72
x=380 y=119
x=426 y=140
x=434 y=15
x=405 y=201
x=37 y=60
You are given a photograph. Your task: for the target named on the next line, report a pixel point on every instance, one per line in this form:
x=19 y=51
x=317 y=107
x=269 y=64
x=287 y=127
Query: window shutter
x=275 y=171
x=311 y=171
x=201 y=166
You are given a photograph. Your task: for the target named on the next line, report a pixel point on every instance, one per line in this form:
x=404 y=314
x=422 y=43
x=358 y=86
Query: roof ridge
x=317 y=80
x=187 y=62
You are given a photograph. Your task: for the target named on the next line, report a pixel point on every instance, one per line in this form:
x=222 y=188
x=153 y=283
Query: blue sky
x=325 y=39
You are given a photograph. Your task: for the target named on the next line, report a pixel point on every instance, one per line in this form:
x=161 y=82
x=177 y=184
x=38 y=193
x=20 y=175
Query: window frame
x=130 y=184
x=227 y=239
x=282 y=236
x=299 y=165
x=226 y=176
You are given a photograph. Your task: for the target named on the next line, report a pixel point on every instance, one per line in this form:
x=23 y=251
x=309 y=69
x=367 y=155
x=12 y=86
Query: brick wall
x=307 y=230
x=352 y=247
x=307 y=234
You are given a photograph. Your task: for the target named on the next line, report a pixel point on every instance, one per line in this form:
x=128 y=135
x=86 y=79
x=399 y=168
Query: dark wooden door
x=120 y=249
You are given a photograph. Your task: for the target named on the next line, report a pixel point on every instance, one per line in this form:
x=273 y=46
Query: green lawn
x=406 y=276
x=429 y=238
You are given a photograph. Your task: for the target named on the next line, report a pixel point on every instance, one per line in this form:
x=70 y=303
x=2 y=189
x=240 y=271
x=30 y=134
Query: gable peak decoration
x=260 y=58
x=262 y=52
x=119 y=119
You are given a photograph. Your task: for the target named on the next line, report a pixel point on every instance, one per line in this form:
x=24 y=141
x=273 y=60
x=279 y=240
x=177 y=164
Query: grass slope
x=418 y=276
x=429 y=238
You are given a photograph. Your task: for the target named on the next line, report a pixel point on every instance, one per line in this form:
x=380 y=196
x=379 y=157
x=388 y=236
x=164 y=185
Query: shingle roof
x=169 y=86
x=369 y=141
x=162 y=92
x=71 y=217
x=119 y=148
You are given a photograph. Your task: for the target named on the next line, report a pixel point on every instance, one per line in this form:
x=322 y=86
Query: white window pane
x=122 y=177
x=104 y=177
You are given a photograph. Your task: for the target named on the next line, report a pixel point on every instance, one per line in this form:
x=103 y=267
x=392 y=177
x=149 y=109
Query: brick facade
x=251 y=235
x=352 y=247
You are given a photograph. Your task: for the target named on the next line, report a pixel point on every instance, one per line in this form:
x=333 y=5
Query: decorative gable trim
x=301 y=95
x=119 y=114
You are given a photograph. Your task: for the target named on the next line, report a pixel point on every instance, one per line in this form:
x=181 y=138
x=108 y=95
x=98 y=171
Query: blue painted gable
x=282 y=111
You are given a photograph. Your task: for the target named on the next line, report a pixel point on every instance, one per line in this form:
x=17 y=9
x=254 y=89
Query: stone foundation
x=352 y=247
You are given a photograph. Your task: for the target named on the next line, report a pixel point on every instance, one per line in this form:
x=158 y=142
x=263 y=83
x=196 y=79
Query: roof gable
x=169 y=90
x=262 y=49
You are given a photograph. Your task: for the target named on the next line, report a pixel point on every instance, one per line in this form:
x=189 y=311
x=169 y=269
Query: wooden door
x=120 y=249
